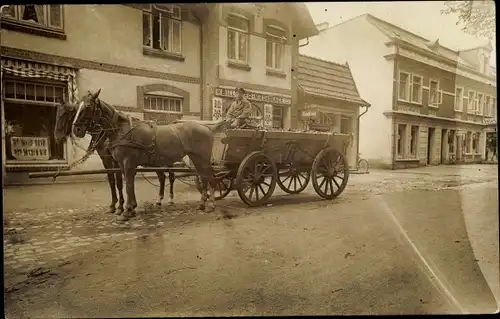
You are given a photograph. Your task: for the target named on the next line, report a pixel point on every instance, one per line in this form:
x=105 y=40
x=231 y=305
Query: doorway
x=444 y=146
x=430 y=144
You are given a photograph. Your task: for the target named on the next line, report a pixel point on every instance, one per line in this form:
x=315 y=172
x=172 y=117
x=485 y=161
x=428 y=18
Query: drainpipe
x=202 y=77
x=357 y=144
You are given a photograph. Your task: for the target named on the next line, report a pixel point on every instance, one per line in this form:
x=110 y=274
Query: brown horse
x=134 y=142
x=66 y=113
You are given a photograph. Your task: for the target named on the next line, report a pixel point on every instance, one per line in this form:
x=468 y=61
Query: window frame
x=149 y=12
x=414 y=142
x=274 y=43
x=470 y=110
x=439 y=93
x=46 y=30
x=237 y=33
x=403 y=139
x=421 y=91
x=408 y=87
x=480 y=103
x=147 y=108
x=461 y=109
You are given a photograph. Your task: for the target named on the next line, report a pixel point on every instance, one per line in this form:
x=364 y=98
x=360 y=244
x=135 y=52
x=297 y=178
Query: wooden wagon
x=253 y=162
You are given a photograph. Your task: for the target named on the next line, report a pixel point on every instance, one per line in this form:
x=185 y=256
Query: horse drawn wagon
x=253 y=162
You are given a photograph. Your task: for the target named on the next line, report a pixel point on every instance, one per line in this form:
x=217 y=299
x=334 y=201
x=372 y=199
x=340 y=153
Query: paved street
x=396 y=242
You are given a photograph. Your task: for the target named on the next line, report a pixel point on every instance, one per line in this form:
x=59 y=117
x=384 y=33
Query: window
x=471 y=103
x=277 y=116
x=237 y=38
x=480 y=103
x=404 y=86
x=414 y=141
x=44 y=15
x=275 y=45
x=459 y=98
x=162 y=28
x=435 y=94
x=494 y=107
x=345 y=125
x=31 y=120
x=327 y=119
x=468 y=142
x=401 y=139
x=163 y=104
x=416 y=89
x=475 y=142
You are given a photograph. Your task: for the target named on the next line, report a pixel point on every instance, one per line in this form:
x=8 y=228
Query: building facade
x=164 y=63
x=418 y=90
x=327 y=91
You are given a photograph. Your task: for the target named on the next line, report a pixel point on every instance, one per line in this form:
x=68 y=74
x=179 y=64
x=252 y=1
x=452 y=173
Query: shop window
x=237 y=38
x=275 y=45
x=277 y=116
x=162 y=27
x=45 y=15
x=345 y=125
x=401 y=139
x=468 y=142
x=451 y=142
x=475 y=142
x=414 y=140
x=30 y=120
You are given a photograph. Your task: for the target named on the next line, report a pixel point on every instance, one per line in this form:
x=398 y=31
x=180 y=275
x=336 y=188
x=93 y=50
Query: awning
x=29 y=69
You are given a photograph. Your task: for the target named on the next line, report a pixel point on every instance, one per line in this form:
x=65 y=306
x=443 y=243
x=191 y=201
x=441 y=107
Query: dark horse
x=134 y=142
x=66 y=113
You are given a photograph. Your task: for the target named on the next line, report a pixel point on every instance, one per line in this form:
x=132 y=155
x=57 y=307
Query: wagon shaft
x=115 y=170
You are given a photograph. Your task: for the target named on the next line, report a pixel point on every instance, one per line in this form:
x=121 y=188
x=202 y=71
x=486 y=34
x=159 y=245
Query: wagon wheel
x=330 y=173
x=253 y=188
x=293 y=181
x=223 y=187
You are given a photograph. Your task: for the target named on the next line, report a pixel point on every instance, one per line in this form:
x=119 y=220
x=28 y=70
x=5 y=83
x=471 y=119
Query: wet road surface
x=391 y=244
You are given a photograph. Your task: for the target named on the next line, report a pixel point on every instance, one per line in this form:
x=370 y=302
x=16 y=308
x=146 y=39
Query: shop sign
x=253 y=96
x=490 y=121
x=30 y=148
x=309 y=114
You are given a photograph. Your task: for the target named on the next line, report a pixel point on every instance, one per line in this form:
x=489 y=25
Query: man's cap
x=242 y=90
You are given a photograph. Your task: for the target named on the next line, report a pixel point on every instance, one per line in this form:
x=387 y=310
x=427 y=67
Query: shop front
x=269 y=110
x=31 y=92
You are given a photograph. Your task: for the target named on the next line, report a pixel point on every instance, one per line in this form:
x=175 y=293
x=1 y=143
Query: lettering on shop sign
x=409 y=109
x=309 y=114
x=30 y=148
x=253 y=96
x=490 y=121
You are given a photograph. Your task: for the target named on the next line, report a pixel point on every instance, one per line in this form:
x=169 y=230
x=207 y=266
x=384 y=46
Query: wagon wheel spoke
x=290 y=182
x=266 y=168
x=262 y=190
x=251 y=191
x=295 y=182
x=266 y=183
x=331 y=185
x=336 y=184
x=256 y=192
x=302 y=175
x=327 y=183
x=300 y=182
x=287 y=178
x=323 y=182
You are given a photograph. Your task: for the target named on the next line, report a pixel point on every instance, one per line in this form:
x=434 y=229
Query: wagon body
x=257 y=159
x=283 y=147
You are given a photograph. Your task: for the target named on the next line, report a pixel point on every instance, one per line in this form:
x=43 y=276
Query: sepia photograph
x=249 y=159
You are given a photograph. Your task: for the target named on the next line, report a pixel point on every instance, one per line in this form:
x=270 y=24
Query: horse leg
x=131 y=203
x=171 y=180
x=161 y=192
x=107 y=163
x=203 y=199
x=212 y=184
x=119 y=186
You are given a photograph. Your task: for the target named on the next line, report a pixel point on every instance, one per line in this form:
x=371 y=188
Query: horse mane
x=121 y=115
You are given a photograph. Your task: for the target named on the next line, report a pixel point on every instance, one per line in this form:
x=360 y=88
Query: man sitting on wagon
x=240 y=110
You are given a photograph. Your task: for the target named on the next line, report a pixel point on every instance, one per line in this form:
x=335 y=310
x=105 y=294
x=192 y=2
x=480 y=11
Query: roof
x=303 y=20
x=328 y=79
x=394 y=32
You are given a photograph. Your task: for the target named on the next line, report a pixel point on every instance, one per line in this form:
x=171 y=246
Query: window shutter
x=217 y=109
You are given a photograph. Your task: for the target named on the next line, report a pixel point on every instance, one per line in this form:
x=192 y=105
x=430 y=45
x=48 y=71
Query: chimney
x=322 y=26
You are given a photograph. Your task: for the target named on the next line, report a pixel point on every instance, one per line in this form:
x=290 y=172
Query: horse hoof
x=209 y=209
x=200 y=207
x=111 y=210
x=118 y=211
x=122 y=218
x=158 y=203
